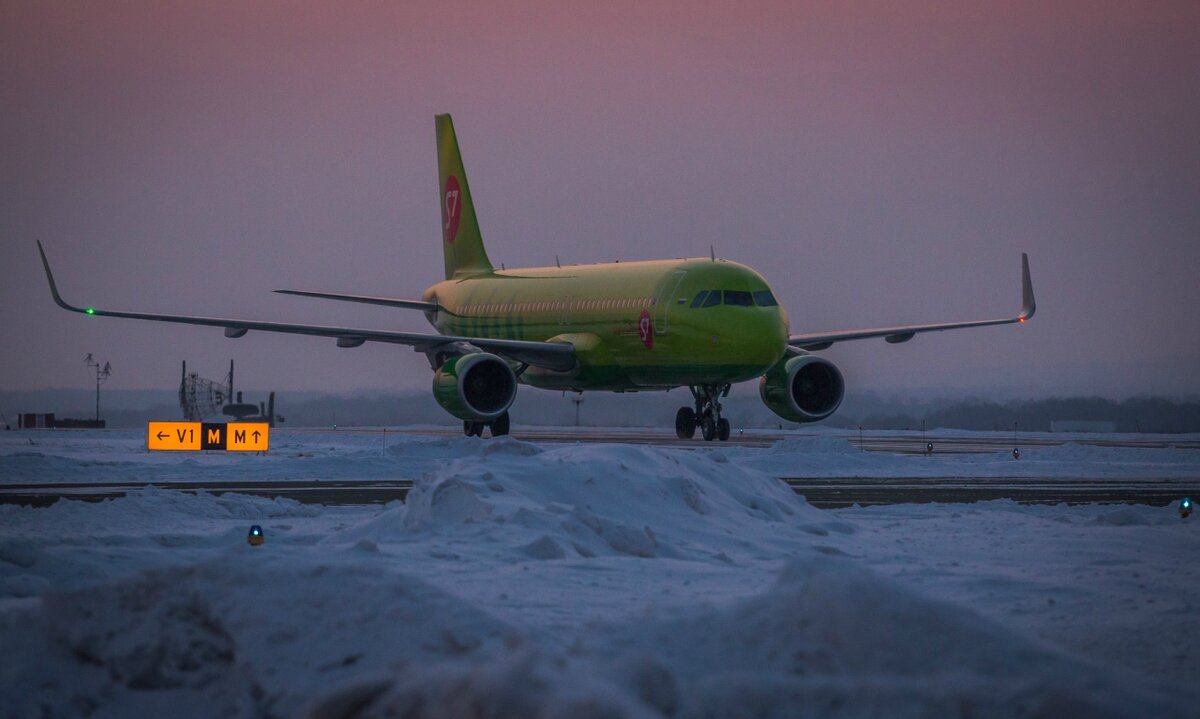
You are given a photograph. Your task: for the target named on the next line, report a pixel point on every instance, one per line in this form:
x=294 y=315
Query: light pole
x=102 y=373
x=578 y=400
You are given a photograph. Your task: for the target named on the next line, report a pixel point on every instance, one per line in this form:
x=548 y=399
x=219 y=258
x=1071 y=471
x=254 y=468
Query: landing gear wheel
x=707 y=413
x=472 y=429
x=685 y=423
x=500 y=425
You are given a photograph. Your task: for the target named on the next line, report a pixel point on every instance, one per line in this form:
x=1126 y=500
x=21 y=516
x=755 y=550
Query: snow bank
x=246 y=637
x=586 y=501
x=829 y=639
x=239 y=637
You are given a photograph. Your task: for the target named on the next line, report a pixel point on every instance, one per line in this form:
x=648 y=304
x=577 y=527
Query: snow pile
x=585 y=501
x=829 y=639
x=246 y=637
x=240 y=637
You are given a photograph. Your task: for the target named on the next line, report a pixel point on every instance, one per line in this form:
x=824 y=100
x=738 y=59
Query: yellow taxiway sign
x=195 y=436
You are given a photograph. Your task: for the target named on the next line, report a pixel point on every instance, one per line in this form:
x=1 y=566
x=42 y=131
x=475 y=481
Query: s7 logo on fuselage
x=646 y=329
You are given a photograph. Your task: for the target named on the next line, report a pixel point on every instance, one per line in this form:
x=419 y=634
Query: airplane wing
x=366 y=299
x=896 y=335
x=550 y=355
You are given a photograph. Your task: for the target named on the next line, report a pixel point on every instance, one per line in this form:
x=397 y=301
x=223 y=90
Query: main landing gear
x=706 y=415
x=475 y=429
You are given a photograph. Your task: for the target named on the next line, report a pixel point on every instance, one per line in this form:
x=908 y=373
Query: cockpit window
x=764 y=298
x=739 y=298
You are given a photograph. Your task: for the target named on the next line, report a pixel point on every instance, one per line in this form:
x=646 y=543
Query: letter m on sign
x=212 y=435
x=239 y=436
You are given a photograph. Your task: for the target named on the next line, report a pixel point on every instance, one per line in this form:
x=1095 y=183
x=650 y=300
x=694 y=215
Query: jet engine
x=806 y=388
x=477 y=387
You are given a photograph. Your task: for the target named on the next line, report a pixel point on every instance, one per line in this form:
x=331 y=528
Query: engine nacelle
x=478 y=387
x=802 y=389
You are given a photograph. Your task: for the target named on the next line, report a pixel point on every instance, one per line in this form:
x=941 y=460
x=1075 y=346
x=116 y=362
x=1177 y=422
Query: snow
x=523 y=579
x=121 y=456
x=833 y=456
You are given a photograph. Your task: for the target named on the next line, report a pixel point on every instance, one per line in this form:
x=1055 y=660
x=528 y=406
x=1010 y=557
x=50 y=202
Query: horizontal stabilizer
x=366 y=300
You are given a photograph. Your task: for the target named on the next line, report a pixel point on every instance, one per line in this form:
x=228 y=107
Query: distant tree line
x=129 y=409
x=1144 y=414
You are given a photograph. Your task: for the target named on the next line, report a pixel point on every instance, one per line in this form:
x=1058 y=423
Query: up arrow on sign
x=247 y=437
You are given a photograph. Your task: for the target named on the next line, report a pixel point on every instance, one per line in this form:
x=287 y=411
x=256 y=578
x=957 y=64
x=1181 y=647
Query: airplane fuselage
x=634 y=325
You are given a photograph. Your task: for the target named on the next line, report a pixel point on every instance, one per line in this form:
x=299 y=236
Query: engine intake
x=476 y=387
x=806 y=388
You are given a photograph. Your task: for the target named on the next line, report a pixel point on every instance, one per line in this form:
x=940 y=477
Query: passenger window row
x=738 y=298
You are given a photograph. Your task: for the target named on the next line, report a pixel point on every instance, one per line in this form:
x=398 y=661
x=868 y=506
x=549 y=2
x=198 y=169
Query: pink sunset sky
x=878 y=162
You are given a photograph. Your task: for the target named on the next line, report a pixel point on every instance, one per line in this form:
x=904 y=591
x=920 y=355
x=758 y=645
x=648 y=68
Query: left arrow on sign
x=177 y=436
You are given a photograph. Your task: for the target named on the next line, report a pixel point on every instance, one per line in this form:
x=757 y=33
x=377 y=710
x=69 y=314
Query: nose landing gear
x=706 y=415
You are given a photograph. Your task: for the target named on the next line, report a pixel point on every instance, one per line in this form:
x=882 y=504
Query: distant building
x=1082 y=425
x=31 y=420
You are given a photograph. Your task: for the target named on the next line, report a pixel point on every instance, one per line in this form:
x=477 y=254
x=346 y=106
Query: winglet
x=1028 y=306
x=54 y=288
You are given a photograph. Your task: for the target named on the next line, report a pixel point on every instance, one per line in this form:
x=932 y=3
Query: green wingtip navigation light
x=90 y=310
x=1185 y=507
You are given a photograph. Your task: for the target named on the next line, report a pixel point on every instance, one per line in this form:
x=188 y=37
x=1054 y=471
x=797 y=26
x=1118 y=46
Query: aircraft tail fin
x=462 y=243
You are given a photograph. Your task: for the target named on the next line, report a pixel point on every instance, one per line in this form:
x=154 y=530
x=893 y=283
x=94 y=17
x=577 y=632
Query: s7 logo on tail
x=451 y=207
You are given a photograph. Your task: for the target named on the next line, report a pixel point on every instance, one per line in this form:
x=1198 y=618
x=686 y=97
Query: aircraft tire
x=685 y=423
x=500 y=425
x=708 y=428
x=723 y=429
x=472 y=429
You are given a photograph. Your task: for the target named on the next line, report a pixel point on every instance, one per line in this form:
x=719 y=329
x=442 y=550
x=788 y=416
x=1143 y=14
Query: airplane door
x=665 y=299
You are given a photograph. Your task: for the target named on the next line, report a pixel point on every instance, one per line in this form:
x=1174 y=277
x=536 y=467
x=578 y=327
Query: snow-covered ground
x=586 y=580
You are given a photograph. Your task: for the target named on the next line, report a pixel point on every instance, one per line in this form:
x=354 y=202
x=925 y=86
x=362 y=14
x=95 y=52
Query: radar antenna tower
x=201 y=398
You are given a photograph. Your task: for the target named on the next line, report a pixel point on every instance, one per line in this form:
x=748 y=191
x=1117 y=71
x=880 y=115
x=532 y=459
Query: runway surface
x=824 y=492
x=900 y=442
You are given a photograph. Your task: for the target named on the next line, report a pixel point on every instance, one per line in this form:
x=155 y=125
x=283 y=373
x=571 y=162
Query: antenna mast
x=102 y=373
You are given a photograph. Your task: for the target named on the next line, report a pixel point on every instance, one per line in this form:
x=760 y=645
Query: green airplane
x=701 y=323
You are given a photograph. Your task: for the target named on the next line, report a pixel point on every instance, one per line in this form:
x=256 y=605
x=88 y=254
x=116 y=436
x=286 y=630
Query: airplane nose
x=760 y=336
